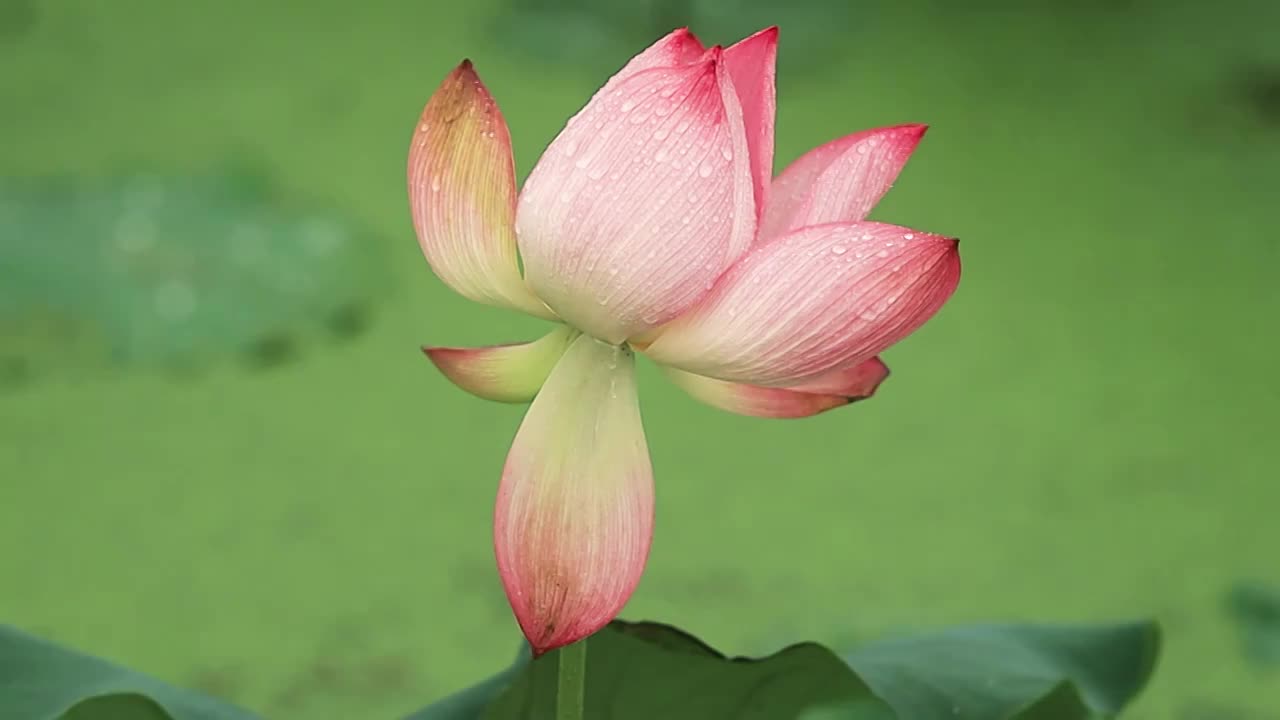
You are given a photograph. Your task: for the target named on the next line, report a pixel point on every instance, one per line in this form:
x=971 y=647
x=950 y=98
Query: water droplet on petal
x=570 y=148
x=595 y=173
x=883 y=254
x=908 y=236
x=435 y=184
x=660 y=134
x=613 y=271
x=726 y=153
x=704 y=170
x=839 y=249
x=627 y=105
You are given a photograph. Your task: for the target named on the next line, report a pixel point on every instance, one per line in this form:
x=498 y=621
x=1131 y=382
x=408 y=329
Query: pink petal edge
x=752 y=64
x=840 y=181
x=753 y=400
x=856 y=383
x=811 y=302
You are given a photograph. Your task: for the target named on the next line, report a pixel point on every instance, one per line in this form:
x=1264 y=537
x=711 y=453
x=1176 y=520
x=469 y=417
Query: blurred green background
x=1085 y=433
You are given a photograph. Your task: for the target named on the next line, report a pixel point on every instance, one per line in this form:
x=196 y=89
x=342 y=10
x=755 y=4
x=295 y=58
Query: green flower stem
x=570 y=690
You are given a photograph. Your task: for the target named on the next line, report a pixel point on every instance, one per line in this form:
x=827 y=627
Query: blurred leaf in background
x=16 y=18
x=1255 y=609
x=171 y=271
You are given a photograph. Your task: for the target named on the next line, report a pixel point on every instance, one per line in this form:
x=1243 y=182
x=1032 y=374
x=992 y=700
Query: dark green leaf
x=646 y=670
x=1024 y=672
x=42 y=681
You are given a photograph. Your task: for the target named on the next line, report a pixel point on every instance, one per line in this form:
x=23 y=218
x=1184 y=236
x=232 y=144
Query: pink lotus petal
x=678 y=47
x=752 y=64
x=813 y=301
x=574 y=517
x=642 y=201
x=462 y=193
x=506 y=373
x=856 y=383
x=840 y=181
x=754 y=400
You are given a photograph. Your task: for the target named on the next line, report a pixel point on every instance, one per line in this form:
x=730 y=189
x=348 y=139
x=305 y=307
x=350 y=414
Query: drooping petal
x=817 y=300
x=840 y=181
x=753 y=400
x=856 y=382
x=506 y=373
x=462 y=193
x=574 y=517
x=752 y=66
x=642 y=201
x=831 y=390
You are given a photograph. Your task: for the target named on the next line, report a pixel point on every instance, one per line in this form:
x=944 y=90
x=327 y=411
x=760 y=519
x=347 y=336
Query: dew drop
x=565 y=196
x=613 y=271
x=704 y=170
x=627 y=105
x=908 y=236
x=862 y=149
x=726 y=153
x=595 y=173
x=661 y=134
x=685 y=220
x=883 y=254
x=435 y=184
x=570 y=148
x=424 y=127
x=839 y=250
x=684 y=125
x=582 y=162
x=661 y=155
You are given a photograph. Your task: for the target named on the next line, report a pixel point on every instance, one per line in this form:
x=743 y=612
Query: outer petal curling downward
x=812 y=302
x=505 y=373
x=574 y=517
x=462 y=193
x=836 y=389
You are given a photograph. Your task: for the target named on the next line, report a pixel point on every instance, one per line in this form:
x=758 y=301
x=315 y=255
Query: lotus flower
x=652 y=223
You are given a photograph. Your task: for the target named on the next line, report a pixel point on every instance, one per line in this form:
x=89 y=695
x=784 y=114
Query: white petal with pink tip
x=840 y=181
x=816 y=300
x=574 y=516
x=505 y=373
x=641 y=203
x=462 y=192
